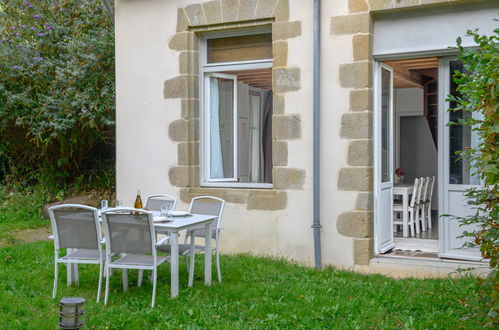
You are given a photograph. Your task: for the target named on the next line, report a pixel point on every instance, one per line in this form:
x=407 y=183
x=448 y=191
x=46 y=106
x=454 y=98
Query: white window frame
x=208 y=70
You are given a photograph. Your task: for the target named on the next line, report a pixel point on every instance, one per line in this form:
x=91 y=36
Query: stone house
x=217 y=98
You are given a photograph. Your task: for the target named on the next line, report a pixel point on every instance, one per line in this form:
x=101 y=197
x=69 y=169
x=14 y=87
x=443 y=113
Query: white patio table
x=174 y=226
x=404 y=190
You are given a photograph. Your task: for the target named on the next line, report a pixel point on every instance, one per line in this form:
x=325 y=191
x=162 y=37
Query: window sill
x=237 y=185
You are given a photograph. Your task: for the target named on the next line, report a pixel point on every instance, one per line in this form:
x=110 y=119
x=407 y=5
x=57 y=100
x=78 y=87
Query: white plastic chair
x=413 y=208
x=428 y=198
x=130 y=234
x=201 y=205
x=76 y=228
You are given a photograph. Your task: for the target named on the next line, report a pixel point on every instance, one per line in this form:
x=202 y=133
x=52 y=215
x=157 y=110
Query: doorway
x=415 y=156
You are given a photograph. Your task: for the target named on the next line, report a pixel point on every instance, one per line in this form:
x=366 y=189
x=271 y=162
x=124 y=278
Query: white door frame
x=381 y=247
x=447 y=248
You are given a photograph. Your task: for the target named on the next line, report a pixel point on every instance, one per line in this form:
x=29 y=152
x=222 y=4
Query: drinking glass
x=169 y=209
x=117 y=203
x=164 y=210
x=104 y=204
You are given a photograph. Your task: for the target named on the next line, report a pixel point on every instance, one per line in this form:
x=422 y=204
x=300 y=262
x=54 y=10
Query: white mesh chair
x=208 y=205
x=76 y=228
x=130 y=234
x=413 y=209
x=154 y=202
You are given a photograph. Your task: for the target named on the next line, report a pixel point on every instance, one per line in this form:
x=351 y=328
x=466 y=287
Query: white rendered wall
x=145 y=152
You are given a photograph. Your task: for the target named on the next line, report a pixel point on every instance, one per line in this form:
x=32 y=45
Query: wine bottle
x=138 y=201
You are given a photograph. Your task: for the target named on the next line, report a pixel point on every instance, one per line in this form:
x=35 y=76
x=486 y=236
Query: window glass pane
x=221 y=128
x=240 y=48
x=460 y=138
x=385 y=125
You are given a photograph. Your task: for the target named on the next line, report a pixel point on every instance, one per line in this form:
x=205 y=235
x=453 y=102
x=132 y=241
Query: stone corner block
x=212 y=12
x=280 y=54
x=182 y=20
x=356 y=179
x=286 y=127
x=285 y=79
x=178 y=130
x=179 y=41
x=356 y=75
x=281 y=11
x=266 y=200
x=178 y=87
x=279 y=153
x=278 y=103
x=361 y=44
x=179 y=176
x=358 y=6
x=264 y=9
x=361 y=99
x=195 y=14
x=360 y=153
x=288 y=178
x=229 y=10
x=355 y=224
x=362 y=251
x=286 y=30
x=356 y=125
x=378 y=5
x=350 y=24
x=247 y=10
x=365 y=201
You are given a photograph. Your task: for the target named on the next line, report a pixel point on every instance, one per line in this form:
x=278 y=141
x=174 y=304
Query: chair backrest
x=129 y=230
x=424 y=189
x=415 y=192
x=154 y=202
x=208 y=205
x=75 y=226
x=429 y=193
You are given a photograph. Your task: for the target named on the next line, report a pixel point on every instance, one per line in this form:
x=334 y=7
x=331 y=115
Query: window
x=236 y=85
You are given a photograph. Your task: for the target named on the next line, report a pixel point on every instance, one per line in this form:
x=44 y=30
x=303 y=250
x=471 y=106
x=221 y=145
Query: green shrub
x=56 y=89
x=478 y=92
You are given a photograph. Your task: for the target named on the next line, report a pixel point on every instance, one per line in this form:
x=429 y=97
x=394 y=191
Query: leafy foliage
x=56 y=88
x=478 y=92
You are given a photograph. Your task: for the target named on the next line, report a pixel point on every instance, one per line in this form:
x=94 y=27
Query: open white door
x=383 y=124
x=454 y=176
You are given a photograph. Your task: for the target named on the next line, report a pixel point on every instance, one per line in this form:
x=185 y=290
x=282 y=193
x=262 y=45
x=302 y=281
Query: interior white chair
x=422 y=203
x=429 y=196
x=413 y=208
x=201 y=205
x=131 y=236
x=76 y=228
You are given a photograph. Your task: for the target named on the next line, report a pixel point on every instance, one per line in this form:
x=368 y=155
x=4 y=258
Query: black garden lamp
x=71 y=313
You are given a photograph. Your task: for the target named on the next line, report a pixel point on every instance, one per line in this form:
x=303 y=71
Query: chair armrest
x=162 y=241
x=51 y=237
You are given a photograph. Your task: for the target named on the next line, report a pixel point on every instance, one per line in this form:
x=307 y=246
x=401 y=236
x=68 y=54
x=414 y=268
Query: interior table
x=404 y=190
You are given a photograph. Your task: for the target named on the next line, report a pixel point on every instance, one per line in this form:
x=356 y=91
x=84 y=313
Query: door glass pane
x=221 y=128
x=460 y=138
x=385 y=125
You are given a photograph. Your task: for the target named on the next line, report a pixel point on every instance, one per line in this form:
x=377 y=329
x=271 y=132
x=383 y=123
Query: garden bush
x=57 y=91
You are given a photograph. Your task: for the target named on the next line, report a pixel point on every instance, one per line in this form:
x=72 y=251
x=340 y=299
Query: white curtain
x=216 y=163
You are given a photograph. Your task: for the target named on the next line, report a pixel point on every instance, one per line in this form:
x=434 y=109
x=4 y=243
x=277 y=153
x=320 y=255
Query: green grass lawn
x=255 y=293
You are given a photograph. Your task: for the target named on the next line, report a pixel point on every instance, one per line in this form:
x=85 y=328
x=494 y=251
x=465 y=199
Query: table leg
x=405 y=214
x=174 y=264
x=207 y=254
x=191 y=260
